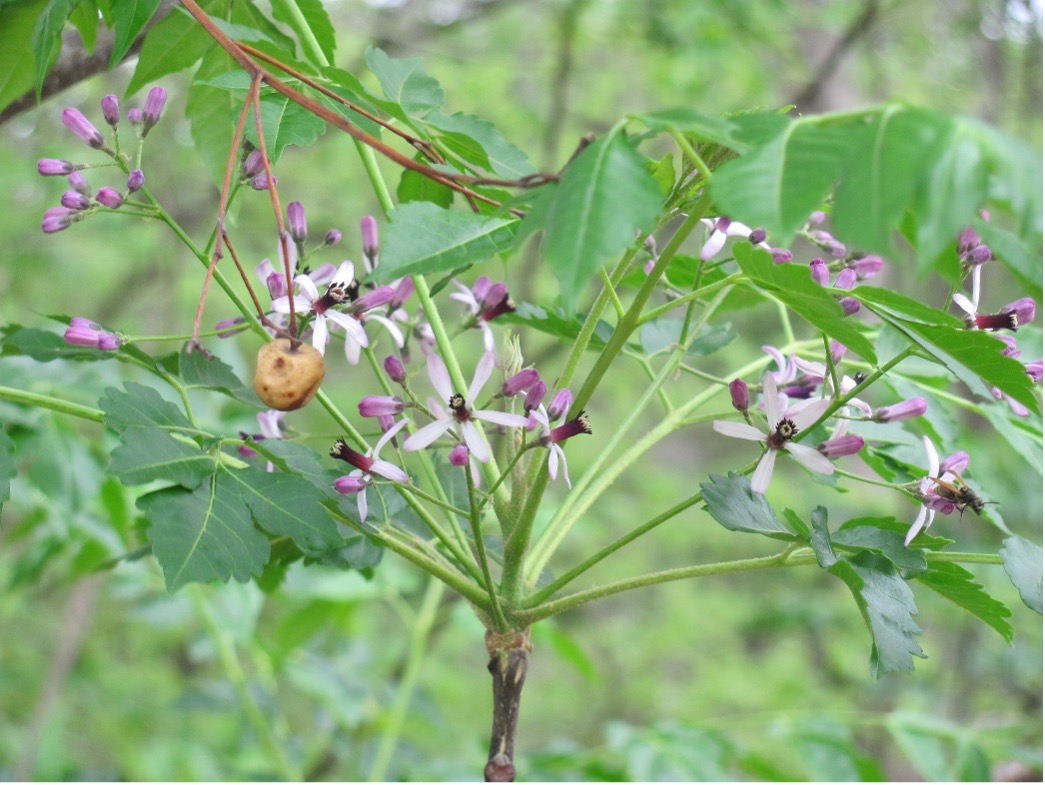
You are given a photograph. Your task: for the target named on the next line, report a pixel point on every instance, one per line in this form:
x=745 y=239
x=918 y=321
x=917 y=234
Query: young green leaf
x=47 y=37
x=141 y=405
x=959 y=586
x=711 y=128
x=129 y=18
x=424 y=238
x=85 y=19
x=147 y=454
x=198 y=370
x=605 y=195
x=887 y=605
x=415 y=187
x=286 y=505
x=310 y=21
x=868 y=534
x=203 y=535
x=212 y=112
x=176 y=42
x=404 y=81
x=285 y=123
x=478 y=142
x=1023 y=563
x=792 y=284
x=731 y=502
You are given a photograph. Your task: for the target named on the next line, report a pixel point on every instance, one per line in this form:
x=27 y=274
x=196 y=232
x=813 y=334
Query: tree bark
x=509 y=660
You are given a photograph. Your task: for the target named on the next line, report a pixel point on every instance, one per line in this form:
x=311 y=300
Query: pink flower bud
x=843 y=445
x=818 y=269
x=74 y=120
x=50 y=167
x=905 y=410
x=740 y=395
x=332 y=237
x=521 y=382
x=135 y=180
x=866 y=266
x=368 y=229
x=534 y=396
x=349 y=485
x=296 y=220
x=111 y=110
x=79 y=183
x=459 y=455
x=75 y=200
x=395 y=370
x=109 y=197
x=134 y=116
x=154 y=103
x=560 y=404
x=377 y=405
x=56 y=219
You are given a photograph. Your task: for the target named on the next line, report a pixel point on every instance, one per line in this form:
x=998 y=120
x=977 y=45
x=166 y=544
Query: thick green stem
x=52 y=403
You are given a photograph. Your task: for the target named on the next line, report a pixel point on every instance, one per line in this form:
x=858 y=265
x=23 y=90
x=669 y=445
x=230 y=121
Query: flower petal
x=428 y=434
x=392 y=327
x=482 y=375
x=739 y=430
x=386 y=437
x=810 y=412
x=763 y=472
x=810 y=458
x=964 y=303
x=351 y=325
x=475 y=441
x=440 y=377
x=320 y=334
x=770 y=399
x=389 y=471
x=501 y=418
x=932 y=457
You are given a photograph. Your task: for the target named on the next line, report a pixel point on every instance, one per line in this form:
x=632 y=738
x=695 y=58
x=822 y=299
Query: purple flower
x=827 y=241
x=459 y=455
x=551 y=437
x=486 y=301
x=1034 y=370
x=461 y=420
x=111 y=110
x=395 y=370
x=297 y=224
x=818 y=269
x=84 y=332
x=74 y=120
x=932 y=501
x=817 y=217
x=560 y=404
x=134 y=116
x=368 y=229
x=1008 y=318
x=332 y=237
x=784 y=426
x=51 y=167
x=866 y=266
x=904 y=410
x=740 y=395
x=723 y=228
x=154 y=103
x=75 y=200
x=520 y=382
x=109 y=197
x=535 y=396
x=135 y=180
x=381 y=405
x=58 y=218
x=79 y=183
x=404 y=287
x=838 y=446
x=322 y=306
x=366 y=466
x=253 y=164
x=261 y=182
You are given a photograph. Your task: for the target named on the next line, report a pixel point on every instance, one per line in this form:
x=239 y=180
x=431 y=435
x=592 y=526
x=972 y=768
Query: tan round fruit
x=288 y=378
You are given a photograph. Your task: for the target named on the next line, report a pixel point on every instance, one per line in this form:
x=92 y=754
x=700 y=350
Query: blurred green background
x=105 y=676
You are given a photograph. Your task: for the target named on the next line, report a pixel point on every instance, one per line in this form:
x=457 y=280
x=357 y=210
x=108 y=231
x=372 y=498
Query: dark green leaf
x=662 y=334
x=8 y=468
x=731 y=502
x=404 y=81
x=974 y=356
x=285 y=123
x=888 y=542
x=252 y=25
x=348 y=86
x=415 y=187
x=959 y=586
x=820 y=539
x=129 y=17
x=176 y=42
x=1022 y=260
x=287 y=505
x=17 y=25
x=141 y=405
x=478 y=142
x=605 y=195
x=147 y=454
x=199 y=370
x=778 y=184
x=793 y=286
x=1023 y=563
x=85 y=19
x=299 y=459
x=552 y=322
x=887 y=605
x=212 y=112
x=313 y=22
x=878 y=180
x=830 y=754
x=47 y=37
x=424 y=238
x=203 y=535
x=894 y=528
x=973 y=763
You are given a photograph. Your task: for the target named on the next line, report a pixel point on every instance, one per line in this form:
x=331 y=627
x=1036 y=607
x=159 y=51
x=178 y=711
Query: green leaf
x=317 y=26
x=603 y=197
x=251 y=24
x=820 y=539
x=731 y=502
x=299 y=459
x=924 y=747
x=141 y=405
x=712 y=128
x=175 y=43
x=555 y=322
x=478 y=142
x=45 y=346
x=959 y=586
x=778 y=184
x=198 y=370
x=884 y=537
x=662 y=334
x=129 y=17
x=212 y=112
x=8 y=467
x=47 y=38
x=1016 y=254
x=287 y=505
x=792 y=285
x=879 y=179
x=147 y=454
x=348 y=86
x=830 y=754
x=85 y=19
x=974 y=356
x=424 y=238
x=17 y=25
x=404 y=81
x=203 y=535
x=415 y=187
x=887 y=605
x=1023 y=562
x=285 y=123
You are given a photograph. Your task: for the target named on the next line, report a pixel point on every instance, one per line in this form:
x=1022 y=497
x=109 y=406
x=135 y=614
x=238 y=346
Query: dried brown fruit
x=287 y=378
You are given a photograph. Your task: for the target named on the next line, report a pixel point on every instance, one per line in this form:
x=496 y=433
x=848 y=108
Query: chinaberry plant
x=454 y=436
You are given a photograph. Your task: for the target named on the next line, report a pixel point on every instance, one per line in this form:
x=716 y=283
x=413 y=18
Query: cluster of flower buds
x=78 y=202
x=84 y=332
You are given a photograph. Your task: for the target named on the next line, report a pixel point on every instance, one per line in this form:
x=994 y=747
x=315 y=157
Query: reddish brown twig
x=509 y=661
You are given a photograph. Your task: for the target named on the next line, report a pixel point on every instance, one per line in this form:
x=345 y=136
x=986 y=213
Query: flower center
x=785 y=431
x=457 y=405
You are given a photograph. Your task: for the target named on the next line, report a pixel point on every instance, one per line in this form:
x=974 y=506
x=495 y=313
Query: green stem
x=49 y=402
x=418 y=642
x=480 y=548
x=234 y=673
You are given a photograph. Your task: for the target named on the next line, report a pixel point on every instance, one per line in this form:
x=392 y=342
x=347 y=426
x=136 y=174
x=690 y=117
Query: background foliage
x=107 y=676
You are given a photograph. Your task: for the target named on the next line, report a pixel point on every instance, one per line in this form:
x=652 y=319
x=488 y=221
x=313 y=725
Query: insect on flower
x=960 y=494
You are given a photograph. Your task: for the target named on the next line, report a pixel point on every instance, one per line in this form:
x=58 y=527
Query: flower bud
x=261 y=182
x=520 y=382
x=109 y=197
x=349 y=485
x=79 y=183
x=253 y=164
x=332 y=237
x=818 y=269
x=849 y=444
x=377 y=405
x=956 y=462
x=135 y=180
x=374 y=299
x=276 y=283
x=850 y=305
x=740 y=395
x=757 y=236
x=781 y=255
x=111 y=110
x=1034 y=370
x=560 y=404
x=225 y=326
x=866 y=266
x=56 y=219
x=395 y=370
x=74 y=120
x=1023 y=310
x=846 y=279
x=403 y=290
x=296 y=220
x=816 y=217
x=75 y=200
x=535 y=396
x=905 y=410
x=368 y=229
x=980 y=254
x=459 y=455
x=154 y=103
x=50 y=167
x=84 y=332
